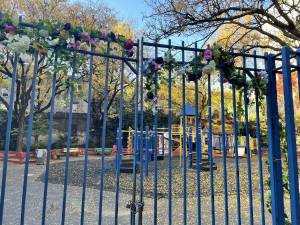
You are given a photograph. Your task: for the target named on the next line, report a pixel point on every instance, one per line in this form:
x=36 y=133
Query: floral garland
x=46 y=35
x=211 y=59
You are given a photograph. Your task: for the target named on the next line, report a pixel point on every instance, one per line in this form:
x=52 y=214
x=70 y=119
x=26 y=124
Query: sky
x=134 y=10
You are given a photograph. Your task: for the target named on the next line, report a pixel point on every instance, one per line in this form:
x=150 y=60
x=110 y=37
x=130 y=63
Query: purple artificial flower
x=129 y=44
x=10 y=29
x=225 y=80
x=207 y=54
x=85 y=36
x=155 y=66
x=93 y=42
x=75 y=45
x=104 y=34
x=129 y=53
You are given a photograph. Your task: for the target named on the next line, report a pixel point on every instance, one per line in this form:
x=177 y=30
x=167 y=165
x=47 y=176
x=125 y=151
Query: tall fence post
x=290 y=136
x=274 y=146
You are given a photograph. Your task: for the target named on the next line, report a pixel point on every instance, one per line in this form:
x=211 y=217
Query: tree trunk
x=21 y=133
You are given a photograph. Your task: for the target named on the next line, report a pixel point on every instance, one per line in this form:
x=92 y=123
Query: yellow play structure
x=177 y=135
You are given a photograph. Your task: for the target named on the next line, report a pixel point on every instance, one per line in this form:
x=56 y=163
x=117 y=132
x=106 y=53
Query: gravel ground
x=73 y=210
x=76 y=175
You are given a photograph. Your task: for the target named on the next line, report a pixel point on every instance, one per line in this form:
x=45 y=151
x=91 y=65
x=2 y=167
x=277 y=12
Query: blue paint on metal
x=169 y=141
x=69 y=133
x=260 y=164
x=248 y=150
x=49 y=144
x=236 y=156
x=210 y=152
x=139 y=57
x=184 y=145
x=103 y=138
x=274 y=146
x=224 y=150
x=190 y=141
x=141 y=145
x=7 y=135
x=189 y=110
x=87 y=138
x=290 y=136
x=154 y=150
x=29 y=133
x=119 y=143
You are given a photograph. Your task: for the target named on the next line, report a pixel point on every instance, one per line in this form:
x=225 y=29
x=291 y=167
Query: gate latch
x=135 y=206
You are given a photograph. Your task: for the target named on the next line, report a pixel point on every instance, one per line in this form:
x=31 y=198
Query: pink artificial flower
x=85 y=36
x=10 y=29
x=93 y=42
x=207 y=54
x=129 y=44
x=75 y=45
x=155 y=65
x=104 y=34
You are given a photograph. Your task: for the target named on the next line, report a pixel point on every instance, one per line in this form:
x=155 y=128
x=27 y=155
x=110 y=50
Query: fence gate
x=202 y=147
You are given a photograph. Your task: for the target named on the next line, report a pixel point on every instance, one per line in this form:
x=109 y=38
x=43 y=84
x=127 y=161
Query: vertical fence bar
x=87 y=138
x=29 y=134
x=246 y=102
x=155 y=146
x=140 y=205
x=7 y=135
x=147 y=151
x=136 y=108
x=170 y=140
x=236 y=156
x=184 y=143
x=290 y=136
x=190 y=146
x=103 y=137
x=49 y=144
x=274 y=146
x=120 y=146
x=210 y=152
x=198 y=147
x=69 y=134
x=224 y=150
x=260 y=165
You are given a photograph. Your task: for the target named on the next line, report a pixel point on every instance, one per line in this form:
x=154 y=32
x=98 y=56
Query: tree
x=277 y=20
x=78 y=14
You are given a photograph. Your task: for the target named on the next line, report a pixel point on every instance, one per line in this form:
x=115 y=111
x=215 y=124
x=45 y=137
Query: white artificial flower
x=19 y=44
x=44 y=33
x=183 y=69
x=209 y=68
x=26 y=58
x=263 y=75
x=2 y=47
x=53 y=42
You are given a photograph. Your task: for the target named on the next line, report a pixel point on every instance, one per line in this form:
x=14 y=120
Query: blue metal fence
x=144 y=139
